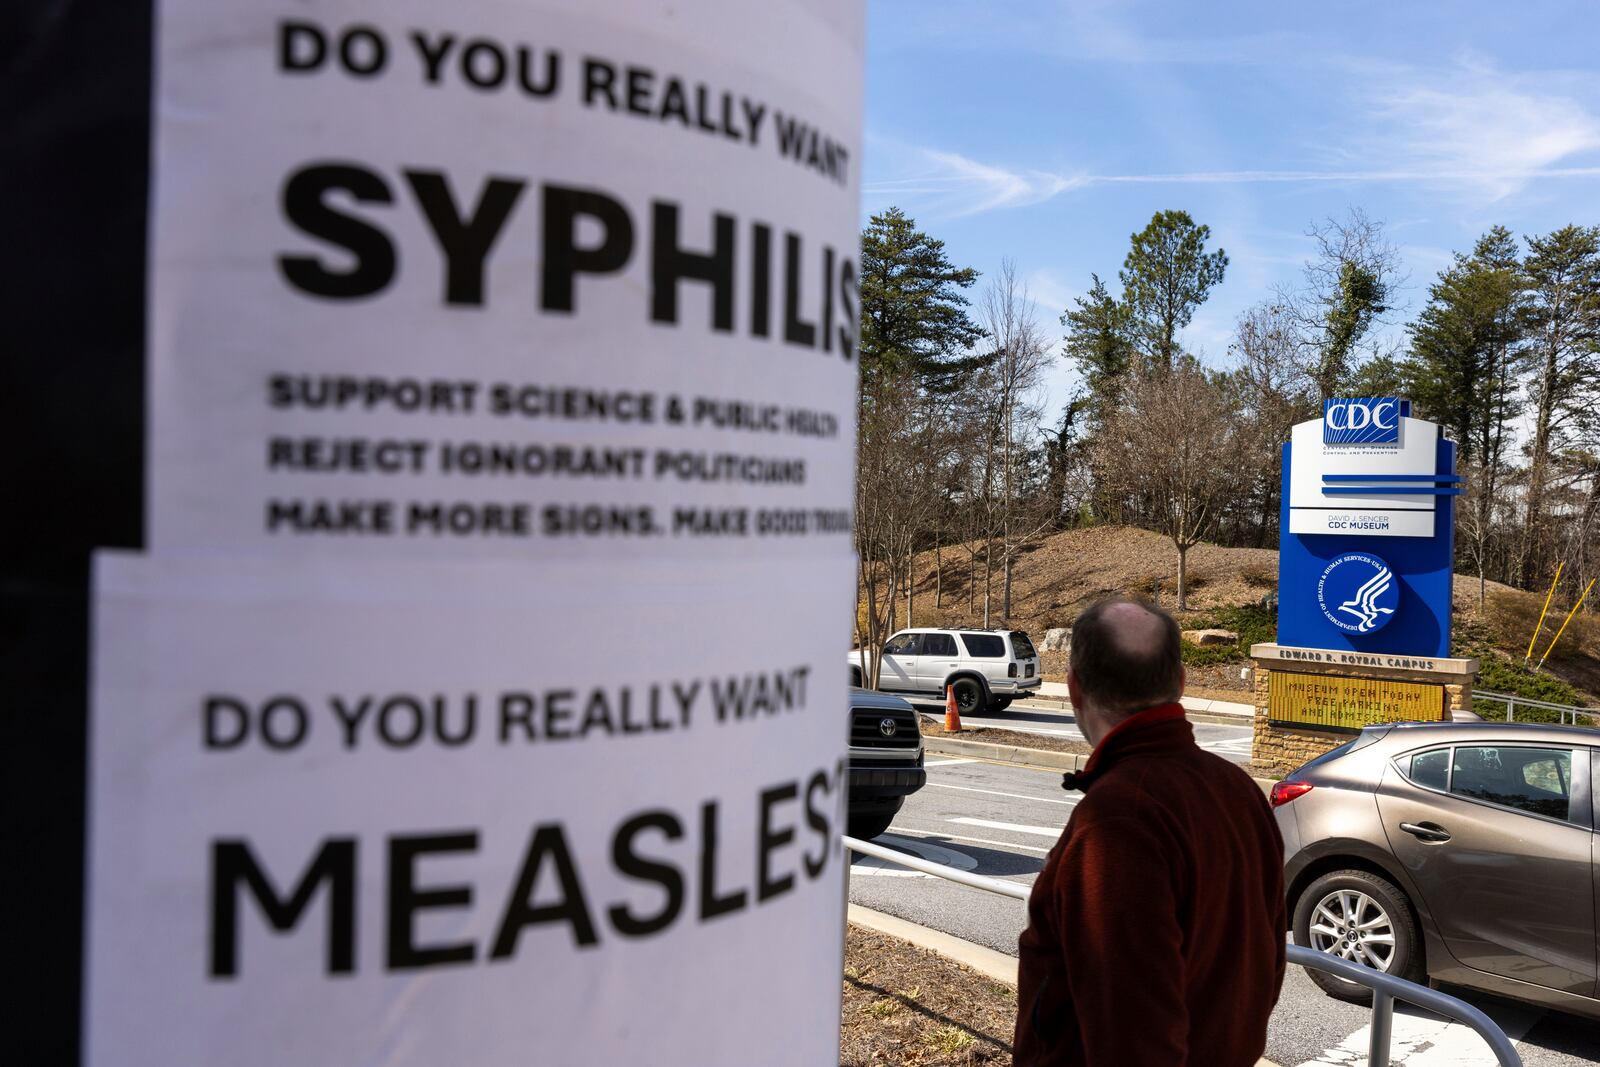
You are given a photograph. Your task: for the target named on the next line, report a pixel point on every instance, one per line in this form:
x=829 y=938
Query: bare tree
x=1351 y=285
x=1273 y=395
x=1007 y=392
x=1174 y=443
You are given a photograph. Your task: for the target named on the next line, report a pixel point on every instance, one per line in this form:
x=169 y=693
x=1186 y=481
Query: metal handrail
x=1511 y=700
x=1386 y=988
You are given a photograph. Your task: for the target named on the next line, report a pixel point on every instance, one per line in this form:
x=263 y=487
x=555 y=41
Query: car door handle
x=1426 y=831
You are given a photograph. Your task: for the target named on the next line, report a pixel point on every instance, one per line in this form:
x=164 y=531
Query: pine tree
x=1167 y=275
x=1099 y=341
x=914 y=317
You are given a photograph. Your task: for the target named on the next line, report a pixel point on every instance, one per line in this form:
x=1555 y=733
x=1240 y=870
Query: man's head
x=1126 y=657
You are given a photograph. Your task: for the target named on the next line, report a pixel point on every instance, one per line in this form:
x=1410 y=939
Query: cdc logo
x=1361 y=420
x=1358 y=593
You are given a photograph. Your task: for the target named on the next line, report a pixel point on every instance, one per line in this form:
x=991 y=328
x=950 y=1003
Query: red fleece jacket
x=1156 y=929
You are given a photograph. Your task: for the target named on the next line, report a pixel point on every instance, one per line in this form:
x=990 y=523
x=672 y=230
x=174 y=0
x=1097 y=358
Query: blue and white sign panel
x=1361 y=420
x=1365 y=554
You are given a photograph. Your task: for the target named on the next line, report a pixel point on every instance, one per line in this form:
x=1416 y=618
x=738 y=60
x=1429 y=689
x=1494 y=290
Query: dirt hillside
x=1060 y=576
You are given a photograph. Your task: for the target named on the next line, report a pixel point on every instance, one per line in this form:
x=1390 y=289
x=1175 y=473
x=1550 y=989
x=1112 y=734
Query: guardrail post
x=1511 y=706
x=1382 y=1027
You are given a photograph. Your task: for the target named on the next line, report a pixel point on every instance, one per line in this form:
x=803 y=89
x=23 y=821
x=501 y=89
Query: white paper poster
x=336 y=822
x=501 y=384
x=519 y=279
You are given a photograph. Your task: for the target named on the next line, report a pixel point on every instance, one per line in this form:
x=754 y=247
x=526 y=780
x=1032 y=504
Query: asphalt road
x=1000 y=821
x=1228 y=741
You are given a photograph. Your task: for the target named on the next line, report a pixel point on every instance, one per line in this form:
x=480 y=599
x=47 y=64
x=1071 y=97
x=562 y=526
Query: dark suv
x=885 y=760
x=1465 y=853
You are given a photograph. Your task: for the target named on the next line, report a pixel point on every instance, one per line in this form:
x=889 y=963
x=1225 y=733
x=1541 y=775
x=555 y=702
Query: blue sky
x=1048 y=132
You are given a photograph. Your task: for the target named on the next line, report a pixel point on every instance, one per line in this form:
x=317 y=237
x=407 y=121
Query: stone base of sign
x=1280 y=747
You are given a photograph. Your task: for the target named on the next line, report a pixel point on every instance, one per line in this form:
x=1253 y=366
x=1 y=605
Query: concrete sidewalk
x=1054 y=694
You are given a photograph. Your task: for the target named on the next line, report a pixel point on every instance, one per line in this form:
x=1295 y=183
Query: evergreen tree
x=1563 y=270
x=1167 y=275
x=1464 y=343
x=914 y=317
x=1099 y=341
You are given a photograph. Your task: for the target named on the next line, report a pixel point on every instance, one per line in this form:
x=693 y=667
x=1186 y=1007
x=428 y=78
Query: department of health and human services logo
x=1358 y=592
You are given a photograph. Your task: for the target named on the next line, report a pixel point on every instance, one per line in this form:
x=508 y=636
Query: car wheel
x=867 y=825
x=855 y=677
x=1362 y=918
x=969 y=695
x=999 y=704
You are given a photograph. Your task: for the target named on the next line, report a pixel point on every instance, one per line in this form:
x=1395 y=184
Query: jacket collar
x=1162 y=727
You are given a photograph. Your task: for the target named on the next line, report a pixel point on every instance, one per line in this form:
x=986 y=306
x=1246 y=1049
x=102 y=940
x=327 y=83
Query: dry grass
x=906 y=1005
x=1064 y=574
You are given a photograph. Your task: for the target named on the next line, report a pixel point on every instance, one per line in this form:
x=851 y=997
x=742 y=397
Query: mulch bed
x=906 y=1005
x=932 y=727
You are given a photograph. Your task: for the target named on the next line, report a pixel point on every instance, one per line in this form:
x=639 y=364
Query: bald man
x=1156 y=929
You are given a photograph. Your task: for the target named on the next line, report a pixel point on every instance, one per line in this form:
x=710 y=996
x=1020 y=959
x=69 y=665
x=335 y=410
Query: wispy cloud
x=1466 y=129
x=1476 y=127
x=1050 y=295
x=952 y=185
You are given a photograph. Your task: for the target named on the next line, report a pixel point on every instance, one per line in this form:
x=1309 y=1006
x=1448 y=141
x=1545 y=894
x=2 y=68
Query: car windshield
x=1021 y=645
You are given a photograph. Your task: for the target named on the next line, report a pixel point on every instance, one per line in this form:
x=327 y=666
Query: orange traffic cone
x=952 y=717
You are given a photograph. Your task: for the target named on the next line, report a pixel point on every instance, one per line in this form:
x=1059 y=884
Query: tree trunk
x=1183 y=577
x=1005 y=585
x=938 y=572
x=911 y=595
x=989 y=571
x=871 y=659
x=894 y=595
x=1538 y=465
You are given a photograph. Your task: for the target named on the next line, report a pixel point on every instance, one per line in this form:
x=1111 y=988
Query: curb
x=986 y=961
x=1036 y=759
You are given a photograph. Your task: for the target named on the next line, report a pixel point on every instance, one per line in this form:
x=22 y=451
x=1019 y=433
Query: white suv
x=988 y=669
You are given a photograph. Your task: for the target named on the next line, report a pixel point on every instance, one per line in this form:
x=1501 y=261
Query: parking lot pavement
x=1001 y=820
x=1230 y=742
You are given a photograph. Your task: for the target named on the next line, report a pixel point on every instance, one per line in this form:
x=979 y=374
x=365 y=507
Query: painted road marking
x=975 y=840
x=949 y=857
x=997 y=793
x=1013 y=827
x=946 y=762
x=1422 y=1039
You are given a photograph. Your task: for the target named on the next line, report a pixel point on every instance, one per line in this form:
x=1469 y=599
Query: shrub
x=1498 y=674
x=1260 y=574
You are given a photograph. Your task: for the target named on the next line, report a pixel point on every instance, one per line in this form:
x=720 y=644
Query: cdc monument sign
x=1364 y=579
x=1364 y=559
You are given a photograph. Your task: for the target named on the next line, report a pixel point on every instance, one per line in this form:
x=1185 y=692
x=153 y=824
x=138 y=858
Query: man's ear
x=1074 y=689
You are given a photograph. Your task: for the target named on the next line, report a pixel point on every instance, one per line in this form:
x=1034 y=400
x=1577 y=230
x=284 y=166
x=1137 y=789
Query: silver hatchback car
x=1465 y=853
